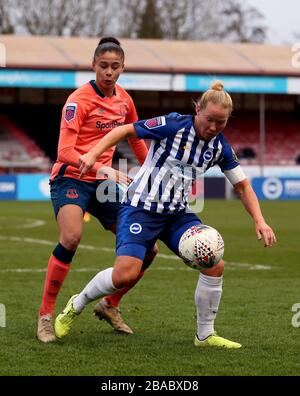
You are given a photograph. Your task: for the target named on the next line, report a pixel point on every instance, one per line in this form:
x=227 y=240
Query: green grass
x=255 y=309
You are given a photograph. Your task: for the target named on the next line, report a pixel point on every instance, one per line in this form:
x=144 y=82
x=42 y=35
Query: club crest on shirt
x=123 y=110
x=155 y=122
x=207 y=156
x=70 y=111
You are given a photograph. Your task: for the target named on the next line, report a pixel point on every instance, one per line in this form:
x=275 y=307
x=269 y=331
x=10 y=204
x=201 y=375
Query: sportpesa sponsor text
x=108 y=125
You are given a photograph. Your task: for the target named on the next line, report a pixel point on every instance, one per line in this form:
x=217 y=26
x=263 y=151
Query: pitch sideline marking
x=33 y=223
x=229 y=265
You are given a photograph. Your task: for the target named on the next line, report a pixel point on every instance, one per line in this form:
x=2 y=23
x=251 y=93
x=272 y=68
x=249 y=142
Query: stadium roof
x=156 y=56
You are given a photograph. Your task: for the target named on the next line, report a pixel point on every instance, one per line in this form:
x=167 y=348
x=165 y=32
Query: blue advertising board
x=33 y=187
x=245 y=84
x=37 y=78
x=275 y=188
x=151 y=81
x=8 y=187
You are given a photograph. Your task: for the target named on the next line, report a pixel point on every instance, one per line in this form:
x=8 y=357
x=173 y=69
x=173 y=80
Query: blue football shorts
x=105 y=206
x=138 y=230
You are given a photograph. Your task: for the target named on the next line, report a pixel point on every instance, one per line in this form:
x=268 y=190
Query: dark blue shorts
x=66 y=191
x=138 y=230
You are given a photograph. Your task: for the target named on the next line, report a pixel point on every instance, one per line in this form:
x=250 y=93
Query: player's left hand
x=265 y=232
x=86 y=162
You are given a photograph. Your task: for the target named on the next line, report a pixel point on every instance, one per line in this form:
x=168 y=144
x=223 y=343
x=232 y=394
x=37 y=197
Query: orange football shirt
x=87 y=116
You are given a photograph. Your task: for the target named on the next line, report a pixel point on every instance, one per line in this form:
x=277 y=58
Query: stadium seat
x=18 y=153
x=282 y=140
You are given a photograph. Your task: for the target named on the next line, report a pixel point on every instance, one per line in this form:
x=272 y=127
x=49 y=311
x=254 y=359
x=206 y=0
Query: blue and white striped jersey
x=176 y=158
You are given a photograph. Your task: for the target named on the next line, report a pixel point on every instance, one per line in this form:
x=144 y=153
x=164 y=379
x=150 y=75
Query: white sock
x=207 y=299
x=101 y=285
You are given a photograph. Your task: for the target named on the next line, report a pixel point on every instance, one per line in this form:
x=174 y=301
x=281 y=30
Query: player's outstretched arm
x=86 y=161
x=251 y=204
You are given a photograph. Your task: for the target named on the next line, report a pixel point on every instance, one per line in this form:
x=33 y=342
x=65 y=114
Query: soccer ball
x=201 y=247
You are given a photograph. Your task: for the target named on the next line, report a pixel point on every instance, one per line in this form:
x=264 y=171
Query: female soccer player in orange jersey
x=89 y=113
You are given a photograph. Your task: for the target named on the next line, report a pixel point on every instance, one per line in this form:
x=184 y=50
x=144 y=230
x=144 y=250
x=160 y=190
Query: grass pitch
x=260 y=287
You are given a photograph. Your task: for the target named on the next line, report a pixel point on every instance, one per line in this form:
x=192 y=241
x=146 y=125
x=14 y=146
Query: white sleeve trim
x=235 y=175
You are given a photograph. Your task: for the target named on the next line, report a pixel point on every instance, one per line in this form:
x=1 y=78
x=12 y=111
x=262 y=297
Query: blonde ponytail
x=215 y=95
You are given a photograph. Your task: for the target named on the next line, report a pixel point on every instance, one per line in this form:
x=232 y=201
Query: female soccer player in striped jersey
x=156 y=206
x=89 y=114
